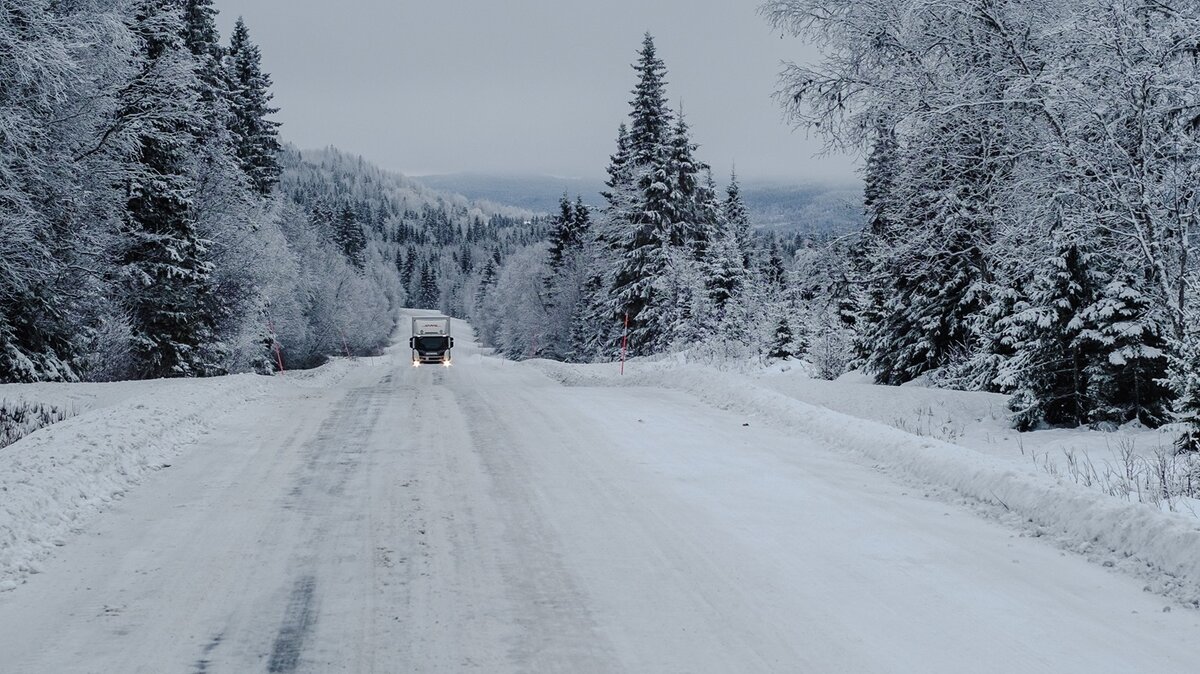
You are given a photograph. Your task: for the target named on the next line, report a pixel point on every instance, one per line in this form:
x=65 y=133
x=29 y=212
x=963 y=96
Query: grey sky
x=525 y=86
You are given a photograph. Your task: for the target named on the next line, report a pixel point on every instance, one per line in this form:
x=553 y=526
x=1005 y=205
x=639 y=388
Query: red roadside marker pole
x=624 y=342
x=275 y=346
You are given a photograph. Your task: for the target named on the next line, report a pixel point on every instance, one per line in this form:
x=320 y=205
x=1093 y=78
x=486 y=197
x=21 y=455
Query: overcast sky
x=525 y=86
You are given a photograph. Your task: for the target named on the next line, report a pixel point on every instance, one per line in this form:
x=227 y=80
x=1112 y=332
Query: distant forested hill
x=776 y=206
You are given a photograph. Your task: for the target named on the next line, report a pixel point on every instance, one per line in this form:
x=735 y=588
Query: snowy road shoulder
x=1133 y=536
x=56 y=479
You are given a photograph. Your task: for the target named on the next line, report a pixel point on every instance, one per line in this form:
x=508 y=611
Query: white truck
x=431 y=341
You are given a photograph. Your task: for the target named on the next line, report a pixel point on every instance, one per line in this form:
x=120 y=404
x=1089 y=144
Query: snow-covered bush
x=106 y=353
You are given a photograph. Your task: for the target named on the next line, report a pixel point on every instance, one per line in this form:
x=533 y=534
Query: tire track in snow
x=205 y=661
x=331 y=459
x=558 y=631
x=298 y=623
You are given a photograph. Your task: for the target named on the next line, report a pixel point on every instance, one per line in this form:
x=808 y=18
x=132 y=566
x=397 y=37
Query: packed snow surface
x=487 y=517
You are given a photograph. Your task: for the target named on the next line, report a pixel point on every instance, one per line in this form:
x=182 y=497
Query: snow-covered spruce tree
x=407 y=267
x=203 y=40
x=619 y=175
x=783 y=342
x=485 y=311
x=1185 y=381
x=657 y=207
x=566 y=274
x=1126 y=381
x=687 y=313
x=708 y=211
x=487 y=281
x=348 y=235
x=256 y=136
x=773 y=270
x=866 y=285
x=936 y=260
x=568 y=230
x=644 y=258
x=738 y=220
x=428 y=294
x=879 y=177
x=693 y=226
x=649 y=116
x=727 y=277
x=1048 y=371
x=642 y=228
x=164 y=259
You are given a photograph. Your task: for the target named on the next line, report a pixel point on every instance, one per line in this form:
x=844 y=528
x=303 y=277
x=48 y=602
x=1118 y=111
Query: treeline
x=143 y=228
x=1031 y=191
x=427 y=250
x=667 y=254
x=137 y=157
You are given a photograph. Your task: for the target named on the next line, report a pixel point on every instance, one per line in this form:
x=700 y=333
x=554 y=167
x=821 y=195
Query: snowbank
x=56 y=479
x=1167 y=541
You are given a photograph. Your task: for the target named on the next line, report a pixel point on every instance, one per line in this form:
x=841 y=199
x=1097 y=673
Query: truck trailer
x=431 y=341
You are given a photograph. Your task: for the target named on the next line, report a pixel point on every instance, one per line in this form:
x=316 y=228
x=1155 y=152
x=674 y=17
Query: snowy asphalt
x=485 y=518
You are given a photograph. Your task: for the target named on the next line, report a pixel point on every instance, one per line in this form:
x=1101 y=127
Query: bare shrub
x=18 y=419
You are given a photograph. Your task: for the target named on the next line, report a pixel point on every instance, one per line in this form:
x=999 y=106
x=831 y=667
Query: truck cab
x=431 y=342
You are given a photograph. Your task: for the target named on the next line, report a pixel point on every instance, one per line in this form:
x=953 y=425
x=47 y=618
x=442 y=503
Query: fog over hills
x=772 y=205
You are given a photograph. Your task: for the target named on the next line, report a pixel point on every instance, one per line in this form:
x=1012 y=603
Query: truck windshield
x=431 y=343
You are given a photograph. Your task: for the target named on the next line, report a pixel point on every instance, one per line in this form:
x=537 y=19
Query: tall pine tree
x=738 y=220
x=650 y=118
x=1048 y=372
x=644 y=230
x=1185 y=381
x=164 y=258
x=691 y=229
x=256 y=137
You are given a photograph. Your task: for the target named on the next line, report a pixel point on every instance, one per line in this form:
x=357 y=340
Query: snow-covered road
x=485 y=518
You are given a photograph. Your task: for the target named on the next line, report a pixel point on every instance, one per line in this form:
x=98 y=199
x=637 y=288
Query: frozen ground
x=502 y=517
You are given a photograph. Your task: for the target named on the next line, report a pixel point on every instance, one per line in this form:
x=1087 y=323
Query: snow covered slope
x=486 y=517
